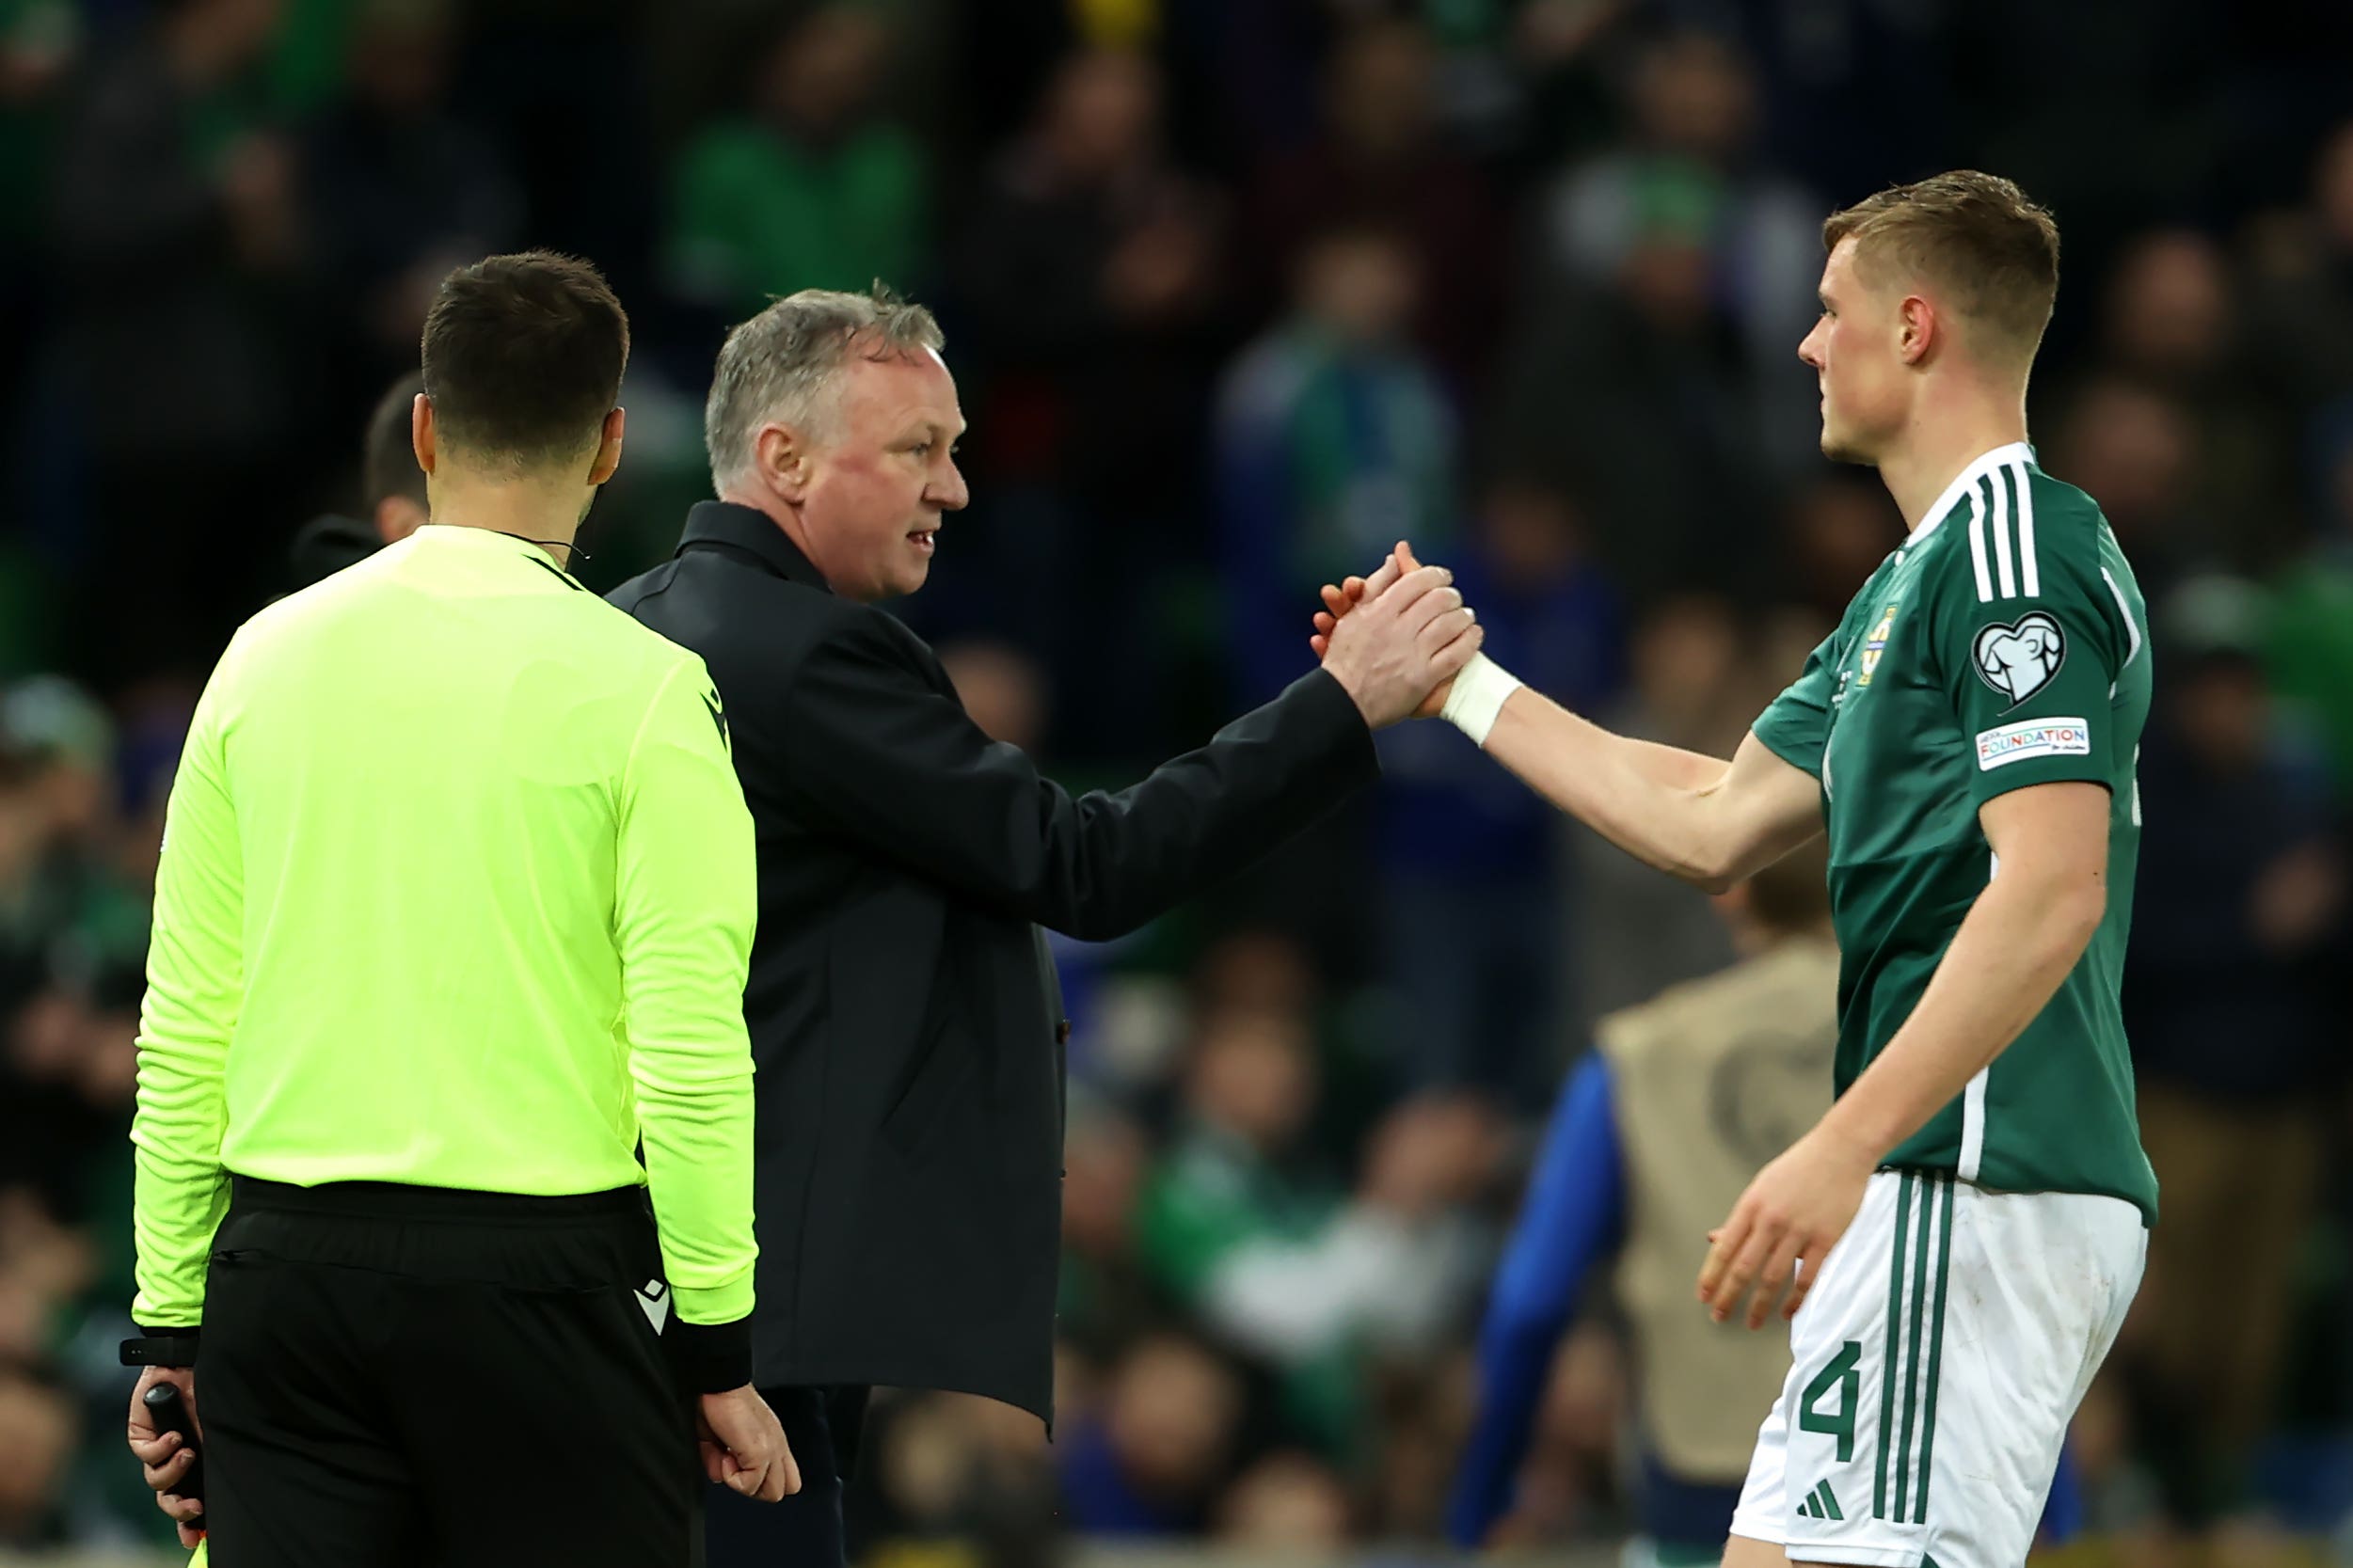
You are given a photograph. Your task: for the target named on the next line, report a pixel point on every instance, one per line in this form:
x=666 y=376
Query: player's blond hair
x=1989 y=249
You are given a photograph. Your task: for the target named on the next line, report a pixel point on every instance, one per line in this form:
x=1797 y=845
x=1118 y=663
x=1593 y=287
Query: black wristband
x=710 y=1358
x=165 y=1347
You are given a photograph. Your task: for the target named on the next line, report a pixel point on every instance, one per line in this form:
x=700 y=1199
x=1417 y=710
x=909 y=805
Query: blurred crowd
x=1239 y=292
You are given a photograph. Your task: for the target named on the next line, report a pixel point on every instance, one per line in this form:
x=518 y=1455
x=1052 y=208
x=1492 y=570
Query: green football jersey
x=2002 y=646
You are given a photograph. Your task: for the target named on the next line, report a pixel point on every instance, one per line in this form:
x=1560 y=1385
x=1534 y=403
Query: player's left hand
x=1780 y=1232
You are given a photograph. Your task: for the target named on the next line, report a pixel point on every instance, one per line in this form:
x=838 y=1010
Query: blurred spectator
x=1692 y=166
x=1289 y=1505
x=2303 y=293
x=1653 y=1138
x=2240 y=907
x=1380 y=165
x=1265 y=1248
x=1851 y=92
x=391 y=494
x=2309 y=645
x=2134 y=447
x=1003 y=691
x=2170 y=324
x=1422 y=1415
x=1840 y=528
x=1102 y=1298
x=1334 y=441
x=1091 y=275
x=1637 y=933
x=399 y=187
x=809 y=189
x=39 y=40
x=177 y=229
x=1473 y=890
x=36 y=1438
x=956 y=1482
x=1636 y=384
x=1165 y=1438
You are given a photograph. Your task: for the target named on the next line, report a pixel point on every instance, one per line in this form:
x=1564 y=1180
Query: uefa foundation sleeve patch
x=2033 y=738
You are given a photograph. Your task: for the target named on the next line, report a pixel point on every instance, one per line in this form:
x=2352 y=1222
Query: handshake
x=1404 y=645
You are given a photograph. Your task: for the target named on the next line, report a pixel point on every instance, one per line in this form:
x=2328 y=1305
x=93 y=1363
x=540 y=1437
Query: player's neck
x=1941 y=441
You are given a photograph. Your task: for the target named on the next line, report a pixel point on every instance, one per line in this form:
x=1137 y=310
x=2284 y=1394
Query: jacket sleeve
x=684 y=902
x=869 y=750
x=195 y=990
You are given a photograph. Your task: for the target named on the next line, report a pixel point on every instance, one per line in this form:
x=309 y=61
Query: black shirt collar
x=752 y=532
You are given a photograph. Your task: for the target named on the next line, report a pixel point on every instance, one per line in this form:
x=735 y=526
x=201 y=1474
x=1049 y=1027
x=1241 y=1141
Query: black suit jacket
x=904 y=1015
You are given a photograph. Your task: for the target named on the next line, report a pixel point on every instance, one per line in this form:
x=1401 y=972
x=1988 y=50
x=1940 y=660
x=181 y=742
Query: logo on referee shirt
x=653 y=1299
x=2020 y=658
x=719 y=716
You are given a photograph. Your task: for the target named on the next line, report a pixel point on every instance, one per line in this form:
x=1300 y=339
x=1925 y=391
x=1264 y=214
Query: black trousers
x=393 y=1376
x=805 y=1530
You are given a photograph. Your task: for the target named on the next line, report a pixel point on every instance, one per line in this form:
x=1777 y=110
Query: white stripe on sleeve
x=2002 y=567
x=1976 y=545
x=2030 y=576
x=2131 y=631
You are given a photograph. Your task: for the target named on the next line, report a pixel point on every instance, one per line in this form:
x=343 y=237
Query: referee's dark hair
x=388 y=467
x=523 y=357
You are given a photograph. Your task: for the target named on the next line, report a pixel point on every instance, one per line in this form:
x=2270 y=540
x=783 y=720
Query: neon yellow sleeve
x=685 y=900
x=195 y=988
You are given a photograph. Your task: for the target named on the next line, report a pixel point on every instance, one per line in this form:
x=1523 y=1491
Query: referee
x=451 y=921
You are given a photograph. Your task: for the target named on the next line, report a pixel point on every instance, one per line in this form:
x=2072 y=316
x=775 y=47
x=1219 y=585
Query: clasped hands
x=1396 y=640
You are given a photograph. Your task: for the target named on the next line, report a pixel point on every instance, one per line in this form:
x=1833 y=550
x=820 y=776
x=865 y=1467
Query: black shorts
x=406 y=1376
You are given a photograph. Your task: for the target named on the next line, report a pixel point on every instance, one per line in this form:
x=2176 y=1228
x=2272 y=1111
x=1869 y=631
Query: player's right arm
x=1709 y=821
x=1706 y=820
x=685 y=898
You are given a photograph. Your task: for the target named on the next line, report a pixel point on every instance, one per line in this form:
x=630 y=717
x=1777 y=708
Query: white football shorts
x=1935 y=1367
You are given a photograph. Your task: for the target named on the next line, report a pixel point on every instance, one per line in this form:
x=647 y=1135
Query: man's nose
x=951 y=493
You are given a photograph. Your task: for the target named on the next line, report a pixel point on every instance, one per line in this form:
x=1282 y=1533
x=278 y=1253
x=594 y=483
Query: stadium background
x=1239 y=291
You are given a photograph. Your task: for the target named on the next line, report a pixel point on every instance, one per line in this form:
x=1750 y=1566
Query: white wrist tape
x=1477 y=696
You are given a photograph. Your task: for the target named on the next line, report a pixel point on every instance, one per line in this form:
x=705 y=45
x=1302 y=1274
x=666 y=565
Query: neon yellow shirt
x=457 y=891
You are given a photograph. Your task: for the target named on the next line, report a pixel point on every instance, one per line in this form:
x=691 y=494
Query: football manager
x=454 y=911
x=903 y=1011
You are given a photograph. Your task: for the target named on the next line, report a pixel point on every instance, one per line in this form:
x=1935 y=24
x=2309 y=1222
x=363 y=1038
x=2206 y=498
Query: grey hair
x=776 y=366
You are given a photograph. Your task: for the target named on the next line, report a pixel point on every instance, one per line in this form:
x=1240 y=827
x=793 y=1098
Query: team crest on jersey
x=2020 y=658
x=1875 y=644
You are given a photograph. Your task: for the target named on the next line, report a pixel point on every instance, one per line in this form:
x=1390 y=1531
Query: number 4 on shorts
x=1842 y=1376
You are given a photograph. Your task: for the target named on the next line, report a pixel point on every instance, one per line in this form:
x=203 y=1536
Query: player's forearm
x=1651 y=800
x=1670 y=766
x=2013 y=949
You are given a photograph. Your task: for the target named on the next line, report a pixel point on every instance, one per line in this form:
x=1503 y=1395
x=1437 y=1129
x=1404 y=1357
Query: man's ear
x=608 y=447
x=1917 y=329
x=421 y=431
x=780 y=453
